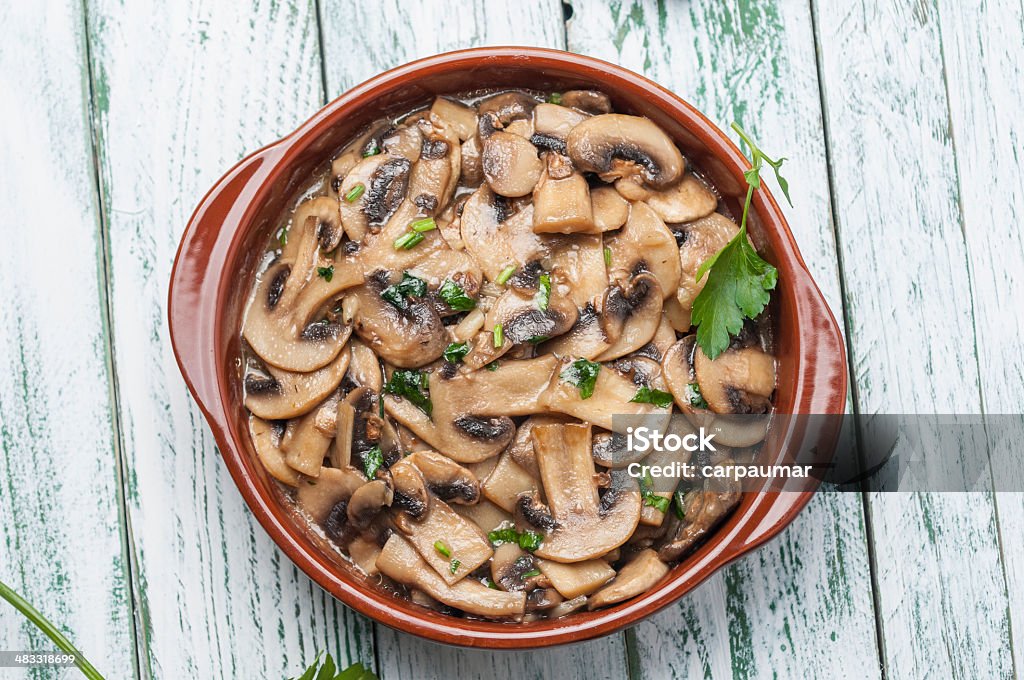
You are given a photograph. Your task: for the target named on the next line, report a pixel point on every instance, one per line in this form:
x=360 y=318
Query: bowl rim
x=199 y=285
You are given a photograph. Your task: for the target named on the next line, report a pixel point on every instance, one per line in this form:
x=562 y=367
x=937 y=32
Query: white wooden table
x=902 y=122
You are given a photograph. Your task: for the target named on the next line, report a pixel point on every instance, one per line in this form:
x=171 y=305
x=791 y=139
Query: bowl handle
x=200 y=262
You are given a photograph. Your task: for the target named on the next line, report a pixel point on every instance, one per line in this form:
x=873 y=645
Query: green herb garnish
x=329 y=671
x=739 y=280
x=490 y=584
x=440 y=547
x=372 y=151
x=355 y=192
x=646 y=395
x=679 y=504
x=326 y=273
x=543 y=296
x=51 y=631
x=527 y=540
x=505 y=275
x=694 y=395
x=582 y=374
x=659 y=503
x=493 y=366
x=537 y=339
x=282 y=236
x=409 y=286
x=456 y=352
x=411 y=385
x=372 y=461
x=408 y=240
x=531 y=574
x=426 y=224
x=454 y=566
x=607 y=257
x=455 y=296
x=555 y=98
x=499 y=335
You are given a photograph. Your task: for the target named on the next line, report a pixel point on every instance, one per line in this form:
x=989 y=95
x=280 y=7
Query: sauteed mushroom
x=518 y=270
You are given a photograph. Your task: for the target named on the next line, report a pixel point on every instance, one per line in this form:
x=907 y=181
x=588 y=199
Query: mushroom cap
x=554 y=121
x=589 y=101
x=460 y=117
x=638 y=576
x=318 y=497
x=739 y=380
x=445 y=478
x=510 y=164
x=616 y=145
x=630 y=314
x=610 y=210
x=367 y=501
x=497 y=240
x=407 y=338
x=685 y=201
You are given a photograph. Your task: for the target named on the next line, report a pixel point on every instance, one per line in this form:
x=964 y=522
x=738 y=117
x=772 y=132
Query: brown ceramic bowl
x=226 y=236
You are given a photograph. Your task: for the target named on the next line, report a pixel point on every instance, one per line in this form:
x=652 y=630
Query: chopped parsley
x=408 y=287
x=456 y=352
x=531 y=574
x=489 y=583
x=607 y=257
x=543 y=296
x=454 y=566
x=499 y=336
x=694 y=396
x=555 y=98
x=455 y=296
x=372 y=461
x=493 y=366
x=355 y=192
x=646 y=395
x=426 y=224
x=582 y=374
x=326 y=273
x=537 y=339
x=408 y=240
x=679 y=504
x=282 y=236
x=527 y=540
x=659 y=503
x=411 y=385
x=440 y=547
x=505 y=275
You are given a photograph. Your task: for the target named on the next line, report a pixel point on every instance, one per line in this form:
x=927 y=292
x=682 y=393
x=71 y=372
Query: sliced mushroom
x=400 y=562
x=615 y=145
x=610 y=210
x=543 y=599
x=405 y=141
x=611 y=451
x=638 y=576
x=510 y=164
x=701 y=240
x=753 y=373
x=266 y=439
x=554 y=122
x=561 y=200
x=385 y=181
x=410 y=489
x=448 y=480
x=644 y=242
x=585 y=339
x=364 y=369
x=587 y=525
x=685 y=201
x=367 y=501
x=466 y=544
x=484 y=514
x=436 y=174
x=472 y=162
x=704 y=508
x=318 y=216
x=305 y=444
x=355 y=152
x=509 y=566
x=507 y=482
x=364 y=554
x=578 y=578
x=471 y=411
x=567 y=607
x=496 y=239
x=319 y=497
x=630 y=313
x=579 y=259
x=521 y=449
x=501 y=109
x=406 y=337
x=589 y=101
x=612 y=394
x=279 y=395
x=284 y=323
x=460 y=117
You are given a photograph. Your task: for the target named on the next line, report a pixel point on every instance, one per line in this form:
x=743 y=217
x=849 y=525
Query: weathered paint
x=184 y=90
x=61 y=538
x=801 y=607
x=899 y=213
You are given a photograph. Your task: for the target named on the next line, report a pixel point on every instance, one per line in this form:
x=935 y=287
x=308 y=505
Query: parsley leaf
x=411 y=385
x=493 y=366
x=372 y=461
x=408 y=287
x=582 y=374
x=327 y=670
x=454 y=566
x=527 y=540
x=659 y=503
x=646 y=395
x=694 y=395
x=455 y=352
x=679 y=504
x=455 y=296
x=325 y=273
x=440 y=547
x=738 y=278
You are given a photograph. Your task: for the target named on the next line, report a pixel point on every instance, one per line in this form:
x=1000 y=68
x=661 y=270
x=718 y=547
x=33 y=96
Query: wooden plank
x=888 y=120
x=358 y=44
x=61 y=539
x=183 y=90
x=985 y=82
x=801 y=607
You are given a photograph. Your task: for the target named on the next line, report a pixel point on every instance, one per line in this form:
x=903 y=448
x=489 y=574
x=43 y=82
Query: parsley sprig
x=739 y=280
